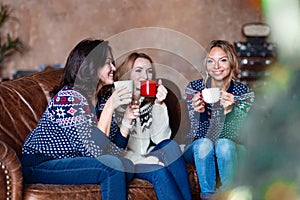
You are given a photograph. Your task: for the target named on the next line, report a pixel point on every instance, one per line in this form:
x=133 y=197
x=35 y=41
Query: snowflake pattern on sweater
x=68 y=129
x=213 y=123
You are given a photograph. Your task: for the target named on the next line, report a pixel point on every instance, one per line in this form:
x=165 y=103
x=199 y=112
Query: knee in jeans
x=111 y=161
x=202 y=147
x=167 y=144
x=225 y=147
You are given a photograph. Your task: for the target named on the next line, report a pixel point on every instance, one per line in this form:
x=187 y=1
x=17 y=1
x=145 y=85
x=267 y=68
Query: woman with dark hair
x=215 y=126
x=157 y=158
x=69 y=144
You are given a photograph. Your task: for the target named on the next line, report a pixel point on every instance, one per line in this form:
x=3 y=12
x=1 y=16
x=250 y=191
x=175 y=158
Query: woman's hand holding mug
x=149 y=88
x=121 y=96
x=198 y=102
x=227 y=100
x=161 y=93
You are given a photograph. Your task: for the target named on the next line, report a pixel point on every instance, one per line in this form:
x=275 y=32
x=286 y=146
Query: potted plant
x=8 y=45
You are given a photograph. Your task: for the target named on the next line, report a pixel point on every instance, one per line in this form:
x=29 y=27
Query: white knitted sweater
x=156 y=129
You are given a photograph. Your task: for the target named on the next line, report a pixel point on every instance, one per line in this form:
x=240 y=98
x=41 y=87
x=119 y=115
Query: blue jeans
x=209 y=158
x=83 y=170
x=169 y=181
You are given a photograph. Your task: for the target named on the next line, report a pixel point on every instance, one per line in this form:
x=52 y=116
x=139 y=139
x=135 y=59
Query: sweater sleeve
x=116 y=136
x=101 y=140
x=160 y=124
x=237 y=116
x=79 y=124
x=193 y=116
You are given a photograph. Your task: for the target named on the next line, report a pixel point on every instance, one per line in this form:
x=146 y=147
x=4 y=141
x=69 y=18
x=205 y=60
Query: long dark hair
x=83 y=63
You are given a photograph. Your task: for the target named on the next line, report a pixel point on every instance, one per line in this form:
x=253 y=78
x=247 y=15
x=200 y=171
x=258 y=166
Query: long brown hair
x=123 y=72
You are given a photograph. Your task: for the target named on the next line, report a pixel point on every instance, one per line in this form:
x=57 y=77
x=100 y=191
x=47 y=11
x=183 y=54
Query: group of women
x=89 y=134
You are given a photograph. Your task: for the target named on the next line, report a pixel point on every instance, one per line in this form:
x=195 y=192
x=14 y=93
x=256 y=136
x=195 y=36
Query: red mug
x=148 y=88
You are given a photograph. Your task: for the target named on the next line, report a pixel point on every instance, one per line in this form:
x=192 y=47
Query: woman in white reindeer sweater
x=157 y=158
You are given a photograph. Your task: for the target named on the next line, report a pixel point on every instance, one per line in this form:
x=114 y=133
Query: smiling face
x=218 y=66
x=106 y=72
x=141 y=70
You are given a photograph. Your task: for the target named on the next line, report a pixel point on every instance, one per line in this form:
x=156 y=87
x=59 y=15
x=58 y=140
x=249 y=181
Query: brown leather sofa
x=22 y=102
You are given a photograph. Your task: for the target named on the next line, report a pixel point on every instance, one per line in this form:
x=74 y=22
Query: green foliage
x=8 y=46
x=5 y=12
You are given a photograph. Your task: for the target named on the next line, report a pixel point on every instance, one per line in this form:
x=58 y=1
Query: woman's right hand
x=121 y=96
x=132 y=112
x=198 y=103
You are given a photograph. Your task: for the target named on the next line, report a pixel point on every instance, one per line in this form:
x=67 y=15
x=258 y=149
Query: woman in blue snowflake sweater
x=69 y=144
x=215 y=126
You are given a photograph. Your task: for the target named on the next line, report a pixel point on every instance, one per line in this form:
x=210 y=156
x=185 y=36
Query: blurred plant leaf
x=8 y=46
x=5 y=12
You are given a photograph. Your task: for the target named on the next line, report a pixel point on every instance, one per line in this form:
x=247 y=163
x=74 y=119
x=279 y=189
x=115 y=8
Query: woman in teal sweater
x=215 y=126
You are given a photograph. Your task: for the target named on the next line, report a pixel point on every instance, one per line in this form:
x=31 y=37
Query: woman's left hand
x=132 y=112
x=227 y=100
x=161 y=93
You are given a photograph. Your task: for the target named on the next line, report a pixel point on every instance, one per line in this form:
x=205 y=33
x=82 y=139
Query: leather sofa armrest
x=10 y=173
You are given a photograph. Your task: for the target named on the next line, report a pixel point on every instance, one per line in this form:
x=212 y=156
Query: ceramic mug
x=148 y=88
x=211 y=95
x=127 y=83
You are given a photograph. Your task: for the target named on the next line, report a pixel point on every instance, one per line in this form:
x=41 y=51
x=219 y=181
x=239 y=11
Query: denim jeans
x=171 y=180
x=82 y=170
x=209 y=158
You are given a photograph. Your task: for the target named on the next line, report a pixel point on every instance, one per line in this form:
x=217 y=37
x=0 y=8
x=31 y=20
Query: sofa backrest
x=22 y=103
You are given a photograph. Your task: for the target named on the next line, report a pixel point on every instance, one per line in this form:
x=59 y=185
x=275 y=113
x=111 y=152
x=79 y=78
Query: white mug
x=211 y=95
x=127 y=83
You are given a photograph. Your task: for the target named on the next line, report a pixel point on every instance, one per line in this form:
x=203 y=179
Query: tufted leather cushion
x=137 y=189
x=11 y=178
x=22 y=103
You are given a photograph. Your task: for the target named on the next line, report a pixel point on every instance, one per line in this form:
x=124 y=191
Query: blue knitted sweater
x=213 y=123
x=68 y=129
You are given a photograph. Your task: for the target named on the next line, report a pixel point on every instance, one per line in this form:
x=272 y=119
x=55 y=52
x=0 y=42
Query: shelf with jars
x=256 y=55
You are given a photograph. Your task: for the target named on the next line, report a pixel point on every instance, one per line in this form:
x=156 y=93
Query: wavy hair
x=123 y=72
x=230 y=51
